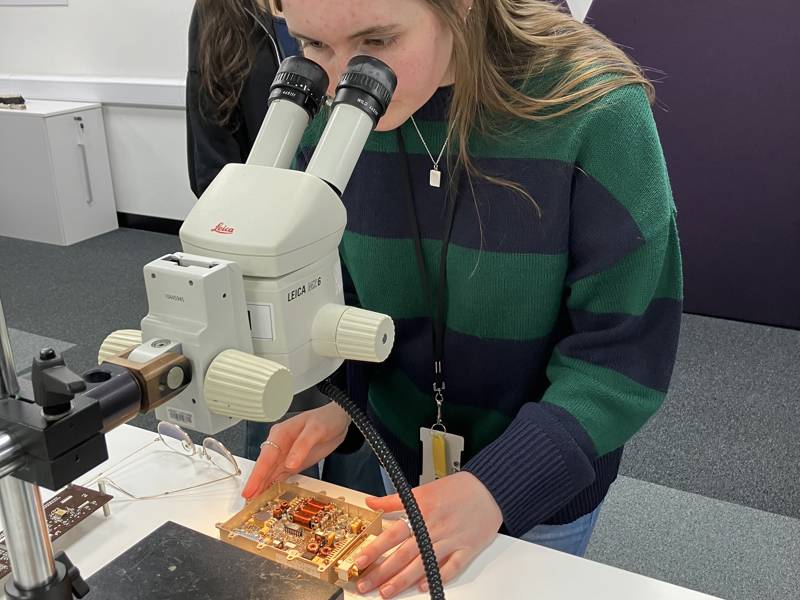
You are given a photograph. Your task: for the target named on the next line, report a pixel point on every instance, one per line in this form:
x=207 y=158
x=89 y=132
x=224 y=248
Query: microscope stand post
x=36 y=574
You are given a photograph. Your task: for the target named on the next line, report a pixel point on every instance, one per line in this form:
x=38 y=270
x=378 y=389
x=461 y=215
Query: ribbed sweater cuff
x=536 y=467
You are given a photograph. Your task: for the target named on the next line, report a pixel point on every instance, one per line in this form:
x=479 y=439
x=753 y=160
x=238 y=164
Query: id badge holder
x=441 y=454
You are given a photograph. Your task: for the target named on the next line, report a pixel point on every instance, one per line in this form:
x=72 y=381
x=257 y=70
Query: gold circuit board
x=309 y=531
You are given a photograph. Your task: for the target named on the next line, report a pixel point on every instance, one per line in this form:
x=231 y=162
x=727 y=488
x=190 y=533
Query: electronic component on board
x=293 y=529
x=309 y=531
x=356 y=526
x=63 y=512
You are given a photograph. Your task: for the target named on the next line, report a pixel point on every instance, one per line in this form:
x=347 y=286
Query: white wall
x=116 y=38
x=129 y=54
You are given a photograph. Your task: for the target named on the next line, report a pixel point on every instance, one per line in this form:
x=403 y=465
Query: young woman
x=539 y=286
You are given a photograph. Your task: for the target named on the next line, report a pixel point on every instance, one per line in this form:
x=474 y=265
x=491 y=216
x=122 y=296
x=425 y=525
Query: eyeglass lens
x=176 y=438
x=220 y=456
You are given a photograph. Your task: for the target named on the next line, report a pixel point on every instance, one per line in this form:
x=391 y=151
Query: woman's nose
x=337 y=70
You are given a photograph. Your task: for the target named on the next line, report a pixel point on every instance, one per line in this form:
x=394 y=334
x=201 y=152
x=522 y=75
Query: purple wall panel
x=729 y=117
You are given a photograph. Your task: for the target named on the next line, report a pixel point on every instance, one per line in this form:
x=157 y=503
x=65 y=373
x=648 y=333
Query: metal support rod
x=9 y=387
x=10 y=455
x=27 y=539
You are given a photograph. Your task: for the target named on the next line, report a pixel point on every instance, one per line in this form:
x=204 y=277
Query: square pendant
x=435 y=179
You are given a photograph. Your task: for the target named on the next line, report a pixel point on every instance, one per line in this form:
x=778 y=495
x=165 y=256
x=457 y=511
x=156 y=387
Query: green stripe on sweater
x=597 y=396
x=491 y=294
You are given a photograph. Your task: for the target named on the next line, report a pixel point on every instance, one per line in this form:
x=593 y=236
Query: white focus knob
x=352 y=333
x=117 y=342
x=244 y=386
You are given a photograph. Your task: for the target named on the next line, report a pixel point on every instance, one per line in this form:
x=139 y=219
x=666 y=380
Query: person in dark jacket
x=233 y=58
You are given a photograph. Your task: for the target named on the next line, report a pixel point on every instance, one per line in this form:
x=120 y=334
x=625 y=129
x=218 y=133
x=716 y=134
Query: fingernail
x=364 y=586
x=424 y=587
x=387 y=591
x=361 y=562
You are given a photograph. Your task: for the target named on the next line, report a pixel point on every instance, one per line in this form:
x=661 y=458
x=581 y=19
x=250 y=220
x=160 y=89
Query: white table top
x=49 y=108
x=508 y=569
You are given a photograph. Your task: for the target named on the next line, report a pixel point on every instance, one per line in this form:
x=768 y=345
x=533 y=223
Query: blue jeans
x=572 y=538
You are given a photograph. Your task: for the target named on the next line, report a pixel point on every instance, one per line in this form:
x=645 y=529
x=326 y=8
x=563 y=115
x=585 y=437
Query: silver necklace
x=435 y=177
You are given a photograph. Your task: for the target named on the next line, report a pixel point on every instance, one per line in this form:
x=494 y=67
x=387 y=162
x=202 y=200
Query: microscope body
x=283 y=228
x=260 y=274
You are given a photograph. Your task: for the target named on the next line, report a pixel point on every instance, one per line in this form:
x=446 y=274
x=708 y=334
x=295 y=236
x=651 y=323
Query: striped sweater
x=561 y=325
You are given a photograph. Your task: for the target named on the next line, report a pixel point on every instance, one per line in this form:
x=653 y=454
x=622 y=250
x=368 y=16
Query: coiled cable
x=389 y=462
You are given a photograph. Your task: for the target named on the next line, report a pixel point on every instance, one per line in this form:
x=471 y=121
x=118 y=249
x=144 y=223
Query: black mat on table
x=177 y=563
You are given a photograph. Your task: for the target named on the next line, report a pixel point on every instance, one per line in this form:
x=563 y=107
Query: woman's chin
x=393 y=118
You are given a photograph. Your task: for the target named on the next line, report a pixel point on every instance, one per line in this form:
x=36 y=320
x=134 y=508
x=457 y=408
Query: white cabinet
x=55 y=177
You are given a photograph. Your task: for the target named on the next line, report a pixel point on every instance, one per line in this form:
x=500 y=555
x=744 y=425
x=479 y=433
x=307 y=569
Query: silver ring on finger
x=404 y=518
x=270 y=443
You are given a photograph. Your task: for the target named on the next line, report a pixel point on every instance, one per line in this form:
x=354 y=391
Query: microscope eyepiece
x=301 y=81
x=368 y=84
x=362 y=97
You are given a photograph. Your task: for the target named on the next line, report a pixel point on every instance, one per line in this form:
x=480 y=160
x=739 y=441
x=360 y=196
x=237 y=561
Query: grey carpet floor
x=710 y=493
x=730 y=426
x=719 y=548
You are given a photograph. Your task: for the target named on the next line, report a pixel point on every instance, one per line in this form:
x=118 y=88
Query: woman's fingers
x=394 y=576
x=387 y=504
x=394 y=535
x=272 y=457
x=451 y=568
x=291 y=443
x=309 y=437
x=270 y=460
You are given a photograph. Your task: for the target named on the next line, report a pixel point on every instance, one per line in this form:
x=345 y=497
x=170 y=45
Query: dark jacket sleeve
x=209 y=146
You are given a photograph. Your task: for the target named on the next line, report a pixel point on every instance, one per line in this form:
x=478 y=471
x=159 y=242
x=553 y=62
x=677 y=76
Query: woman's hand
x=297 y=443
x=462 y=519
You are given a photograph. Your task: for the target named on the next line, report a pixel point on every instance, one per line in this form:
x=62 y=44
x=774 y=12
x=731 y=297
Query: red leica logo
x=222 y=228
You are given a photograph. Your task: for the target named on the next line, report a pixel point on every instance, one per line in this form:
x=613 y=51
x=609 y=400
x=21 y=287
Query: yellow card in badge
x=441 y=454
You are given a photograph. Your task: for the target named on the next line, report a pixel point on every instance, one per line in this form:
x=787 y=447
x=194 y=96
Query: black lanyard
x=438 y=313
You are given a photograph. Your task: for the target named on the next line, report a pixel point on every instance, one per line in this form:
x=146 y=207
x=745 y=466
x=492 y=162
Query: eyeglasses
x=177 y=440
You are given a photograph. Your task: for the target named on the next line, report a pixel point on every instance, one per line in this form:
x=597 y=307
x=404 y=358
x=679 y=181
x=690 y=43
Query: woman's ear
x=275 y=7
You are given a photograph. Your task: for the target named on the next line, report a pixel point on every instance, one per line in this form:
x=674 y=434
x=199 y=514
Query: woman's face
x=405 y=34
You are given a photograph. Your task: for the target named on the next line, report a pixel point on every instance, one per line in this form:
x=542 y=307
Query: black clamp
x=54 y=385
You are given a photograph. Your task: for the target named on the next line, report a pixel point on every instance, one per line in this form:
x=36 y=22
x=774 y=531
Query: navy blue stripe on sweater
x=642 y=357
x=602 y=231
x=521 y=362
x=507 y=221
x=497 y=219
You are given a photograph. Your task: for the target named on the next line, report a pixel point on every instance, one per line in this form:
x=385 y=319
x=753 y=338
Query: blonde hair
x=502 y=44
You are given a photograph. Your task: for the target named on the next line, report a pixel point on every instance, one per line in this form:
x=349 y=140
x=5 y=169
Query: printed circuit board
x=310 y=531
